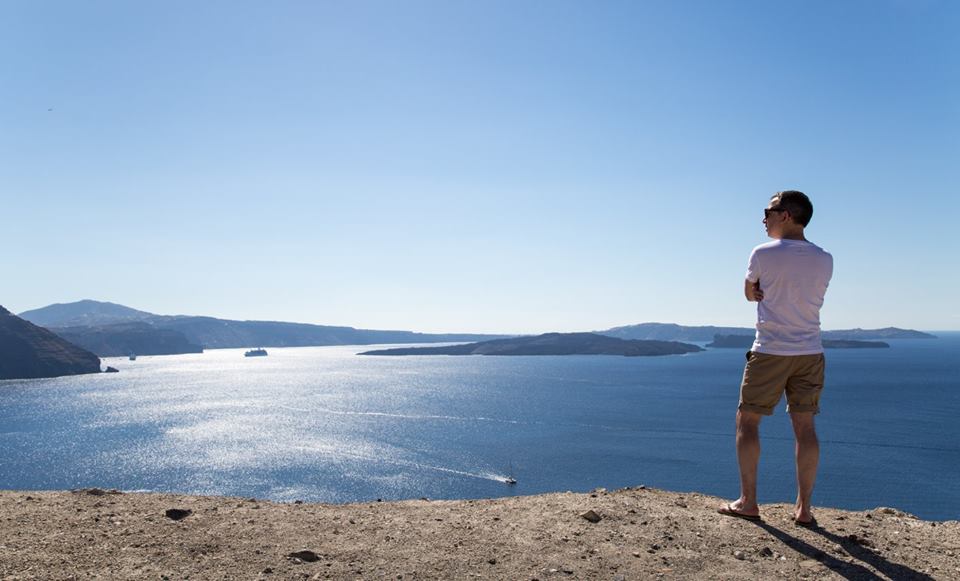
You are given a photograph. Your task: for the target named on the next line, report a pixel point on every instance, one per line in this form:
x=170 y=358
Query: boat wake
x=407 y=464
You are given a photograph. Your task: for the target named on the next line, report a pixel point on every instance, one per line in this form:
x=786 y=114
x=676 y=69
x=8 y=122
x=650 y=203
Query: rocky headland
x=28 y=351
x=632 y=533
x=122 y=339
x=673 y=332
x=746 y=341
x=552 y=344
x=111 y=330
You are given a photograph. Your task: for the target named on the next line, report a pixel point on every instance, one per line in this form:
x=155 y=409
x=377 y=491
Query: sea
x=324 y=424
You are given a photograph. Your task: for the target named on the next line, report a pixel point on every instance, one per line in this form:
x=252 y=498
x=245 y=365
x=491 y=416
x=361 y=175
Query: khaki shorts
x=766 y=377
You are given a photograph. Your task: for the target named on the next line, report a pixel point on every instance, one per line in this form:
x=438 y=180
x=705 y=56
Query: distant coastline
x=112 y=330
x=553 y=344
x=746 y=341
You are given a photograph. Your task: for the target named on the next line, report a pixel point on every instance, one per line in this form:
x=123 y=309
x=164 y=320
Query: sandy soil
x=641 y=534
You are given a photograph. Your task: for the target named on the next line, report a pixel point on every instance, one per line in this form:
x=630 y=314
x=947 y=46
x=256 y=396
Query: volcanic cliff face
x=28 y=351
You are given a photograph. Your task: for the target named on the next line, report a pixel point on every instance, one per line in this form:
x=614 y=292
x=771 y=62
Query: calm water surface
x=323 y=424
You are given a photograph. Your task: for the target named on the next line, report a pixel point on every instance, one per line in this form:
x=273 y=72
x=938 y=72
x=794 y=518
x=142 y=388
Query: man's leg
x=748 y=457
x=808 y=456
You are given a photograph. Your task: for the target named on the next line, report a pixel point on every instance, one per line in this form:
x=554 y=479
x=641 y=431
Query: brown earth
x=641 y=534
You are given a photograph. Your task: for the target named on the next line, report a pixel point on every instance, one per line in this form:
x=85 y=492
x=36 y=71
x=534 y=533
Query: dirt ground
x=641 y=534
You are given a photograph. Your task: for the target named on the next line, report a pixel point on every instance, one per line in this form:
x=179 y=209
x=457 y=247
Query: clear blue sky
x=517 y=166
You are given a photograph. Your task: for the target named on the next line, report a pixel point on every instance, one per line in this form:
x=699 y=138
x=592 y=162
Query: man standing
x=788 y=279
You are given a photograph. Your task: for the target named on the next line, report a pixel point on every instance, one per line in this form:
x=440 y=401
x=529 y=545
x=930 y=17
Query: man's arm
x=752 y=291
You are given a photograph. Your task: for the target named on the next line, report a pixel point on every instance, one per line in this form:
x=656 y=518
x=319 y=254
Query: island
x=112 y=330
x=552 y=344
x=122 y=339
x=746 y=341
x=28 y=351
x=673 y=332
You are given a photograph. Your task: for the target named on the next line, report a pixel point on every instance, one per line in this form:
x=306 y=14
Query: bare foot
x=740 y=509
x=803 y=516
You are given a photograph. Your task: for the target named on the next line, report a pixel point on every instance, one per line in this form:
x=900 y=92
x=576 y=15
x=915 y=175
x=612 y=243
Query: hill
x=122 y=339
x=672 y=332
x=85 y=313
x=746 y=341
x=28 y=351
x=552 y=344
x=639 y=533
x=110 y=330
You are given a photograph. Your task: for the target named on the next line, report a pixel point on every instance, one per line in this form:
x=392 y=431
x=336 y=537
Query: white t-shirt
x=793 y=276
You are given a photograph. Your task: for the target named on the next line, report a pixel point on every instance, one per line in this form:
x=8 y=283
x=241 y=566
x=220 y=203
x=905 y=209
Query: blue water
x=323 y=424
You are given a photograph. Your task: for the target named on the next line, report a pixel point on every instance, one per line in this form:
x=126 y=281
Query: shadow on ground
x=847 y=570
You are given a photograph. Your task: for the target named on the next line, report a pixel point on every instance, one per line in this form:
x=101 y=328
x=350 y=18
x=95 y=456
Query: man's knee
x=748 y=422
x=804 y=427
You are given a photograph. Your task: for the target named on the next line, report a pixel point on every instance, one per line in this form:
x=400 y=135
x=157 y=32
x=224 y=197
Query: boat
x=261 y=352
x=133 y=357
x=510 y=479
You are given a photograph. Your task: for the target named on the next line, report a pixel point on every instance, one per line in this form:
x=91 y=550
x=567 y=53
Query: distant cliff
x=84 y=313
x=109 y=330
x=28 y=351
x=672 y=332
x=746 y=341
x=125 y=338
x=223 y=333
x=552 y=344
x=885 y=333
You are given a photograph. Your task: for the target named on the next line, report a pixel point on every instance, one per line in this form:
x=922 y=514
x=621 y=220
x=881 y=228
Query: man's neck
x=792 y=234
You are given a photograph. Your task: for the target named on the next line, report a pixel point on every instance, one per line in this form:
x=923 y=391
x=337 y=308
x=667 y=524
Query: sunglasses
x=766 y=211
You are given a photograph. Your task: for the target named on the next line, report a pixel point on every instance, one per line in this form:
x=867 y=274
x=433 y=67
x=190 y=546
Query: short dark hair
x=797 y=203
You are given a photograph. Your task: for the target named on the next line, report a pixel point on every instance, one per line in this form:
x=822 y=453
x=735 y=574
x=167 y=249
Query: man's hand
x=752 y=291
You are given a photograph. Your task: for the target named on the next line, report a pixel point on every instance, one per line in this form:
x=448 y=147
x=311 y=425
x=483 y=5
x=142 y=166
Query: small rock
x=492 y=561
x=766 y=552
x=619 y=578
x=739 y=555
x=297 y=502
x=267 y=571
x=178 y=513
x=591 y=516
x=90 y=491
x=305 y=555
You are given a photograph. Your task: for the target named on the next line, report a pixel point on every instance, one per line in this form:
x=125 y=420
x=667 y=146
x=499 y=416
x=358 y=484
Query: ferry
x=261 y=352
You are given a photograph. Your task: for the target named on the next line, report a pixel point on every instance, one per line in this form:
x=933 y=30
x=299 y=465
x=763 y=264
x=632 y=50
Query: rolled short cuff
x=757 y=409
x=803 y=409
